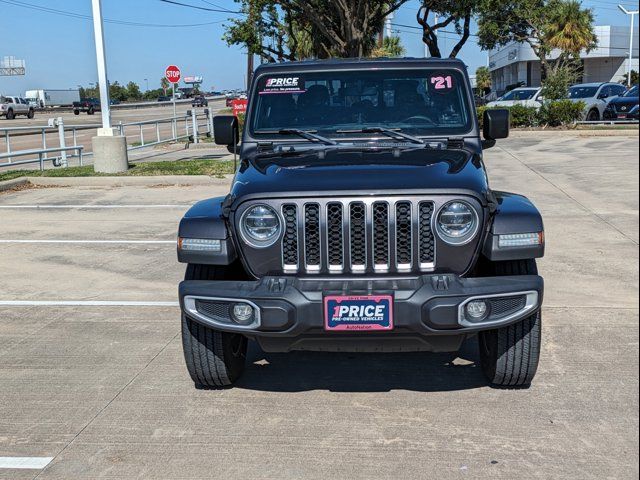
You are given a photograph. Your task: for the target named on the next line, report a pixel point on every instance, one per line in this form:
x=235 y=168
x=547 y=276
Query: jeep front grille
x=358 y=237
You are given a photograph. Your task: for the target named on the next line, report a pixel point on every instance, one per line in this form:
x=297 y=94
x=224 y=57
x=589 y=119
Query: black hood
x=626 y=101
x=362 y=172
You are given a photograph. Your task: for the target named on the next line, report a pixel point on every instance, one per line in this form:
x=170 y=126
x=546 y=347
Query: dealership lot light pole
x=633 y=14
x=109 y=146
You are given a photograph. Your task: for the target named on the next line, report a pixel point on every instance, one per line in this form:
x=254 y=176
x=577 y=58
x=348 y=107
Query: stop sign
x=173 y=74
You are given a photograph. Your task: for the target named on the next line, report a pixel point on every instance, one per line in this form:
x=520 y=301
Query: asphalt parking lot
x=94 y=383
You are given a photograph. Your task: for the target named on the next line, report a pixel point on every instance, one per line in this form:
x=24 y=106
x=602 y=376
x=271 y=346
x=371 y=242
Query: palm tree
x=391 y=47
x=570 y=27
x=164 y=84
x=483 y=79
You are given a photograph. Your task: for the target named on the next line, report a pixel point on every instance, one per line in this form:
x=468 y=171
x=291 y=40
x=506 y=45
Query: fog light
x=477 y=310
x=242 y=313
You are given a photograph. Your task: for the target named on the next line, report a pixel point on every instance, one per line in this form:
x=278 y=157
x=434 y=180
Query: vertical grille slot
x=335 y=244
x=358 y=237
x=404 y=250
x=312 y=237
x=427 y=239
x=290 y=257
x=381 y=236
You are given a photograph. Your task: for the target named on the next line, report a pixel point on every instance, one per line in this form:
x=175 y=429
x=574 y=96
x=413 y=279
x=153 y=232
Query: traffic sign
x=173 y=74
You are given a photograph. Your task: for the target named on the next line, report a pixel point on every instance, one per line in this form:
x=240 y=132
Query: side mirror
x=602 y=96
x=225 y=130
x=495 y=125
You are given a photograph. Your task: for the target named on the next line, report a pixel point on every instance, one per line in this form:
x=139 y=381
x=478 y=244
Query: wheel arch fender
x=515 y=214
x=206 y=221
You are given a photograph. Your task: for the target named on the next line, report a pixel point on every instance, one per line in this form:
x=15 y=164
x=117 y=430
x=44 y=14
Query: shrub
x=560 y=112
x=520 y=116
x=523 y=116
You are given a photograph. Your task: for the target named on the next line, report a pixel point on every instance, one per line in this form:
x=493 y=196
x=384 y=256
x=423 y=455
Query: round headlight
x=260 y=226
x=457 y=222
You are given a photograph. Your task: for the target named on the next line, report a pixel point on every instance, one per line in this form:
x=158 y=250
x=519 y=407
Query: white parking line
x=90 y=207
x=83 y=303
x=97 y=242
x=32 y=463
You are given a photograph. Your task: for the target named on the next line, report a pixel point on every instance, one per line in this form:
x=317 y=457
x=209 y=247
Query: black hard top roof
x=363 y=63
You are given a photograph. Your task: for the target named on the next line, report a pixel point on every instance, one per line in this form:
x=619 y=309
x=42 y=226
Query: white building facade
x=516 y=63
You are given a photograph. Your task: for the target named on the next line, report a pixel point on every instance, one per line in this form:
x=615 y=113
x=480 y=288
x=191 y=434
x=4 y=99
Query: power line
x=65 y=13
x=206 y=9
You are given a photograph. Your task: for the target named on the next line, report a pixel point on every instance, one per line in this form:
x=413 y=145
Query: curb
x=11 y=184
x=168 y=180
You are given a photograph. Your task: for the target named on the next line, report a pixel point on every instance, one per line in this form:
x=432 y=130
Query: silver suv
x=10 y=107
x=596 y=97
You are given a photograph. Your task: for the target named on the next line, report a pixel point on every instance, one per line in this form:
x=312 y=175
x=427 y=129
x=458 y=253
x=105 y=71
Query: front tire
x=214 y=359
x=509 y=356
x=31 y=114
x=593 y=116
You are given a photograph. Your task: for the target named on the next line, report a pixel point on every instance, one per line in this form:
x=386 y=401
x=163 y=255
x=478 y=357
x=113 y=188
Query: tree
x=543 y=24
x=274 y=29
x=634 y=78
x=133 y=91
x=450 y=12
x=391 y=47
x=483 y=79
x=164 y=85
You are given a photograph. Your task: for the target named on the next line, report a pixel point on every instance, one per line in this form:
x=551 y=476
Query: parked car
x=526 y=96
x=87 y=105
x=362 y=219
x=199 y=101
x=624 y=107
x=11 y=107
x=595 y=96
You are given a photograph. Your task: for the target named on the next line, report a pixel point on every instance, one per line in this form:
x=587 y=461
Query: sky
x=59 y=49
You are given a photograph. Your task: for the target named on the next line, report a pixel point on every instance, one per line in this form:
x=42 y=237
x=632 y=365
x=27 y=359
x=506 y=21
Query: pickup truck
x=361 y=219
x=11 y=107
x=88 y=105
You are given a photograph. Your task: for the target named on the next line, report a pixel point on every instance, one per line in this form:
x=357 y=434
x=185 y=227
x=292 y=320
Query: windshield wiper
x=306 y=135
x=395 y=134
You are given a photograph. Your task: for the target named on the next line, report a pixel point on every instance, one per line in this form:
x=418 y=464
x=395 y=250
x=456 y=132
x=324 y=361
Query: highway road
x=124 y=115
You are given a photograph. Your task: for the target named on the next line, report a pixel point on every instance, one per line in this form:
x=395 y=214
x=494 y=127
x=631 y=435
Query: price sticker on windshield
x=290 y=84
x=441 y=83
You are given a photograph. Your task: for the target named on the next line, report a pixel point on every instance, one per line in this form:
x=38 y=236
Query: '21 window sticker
x=441 y=83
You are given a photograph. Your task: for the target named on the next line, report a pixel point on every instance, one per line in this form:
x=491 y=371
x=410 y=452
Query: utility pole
x=249 y=69
x=109 y=148
x=633 y=14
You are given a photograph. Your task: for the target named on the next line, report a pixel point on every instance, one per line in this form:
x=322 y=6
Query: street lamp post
x=109 y=147
x=633 y=14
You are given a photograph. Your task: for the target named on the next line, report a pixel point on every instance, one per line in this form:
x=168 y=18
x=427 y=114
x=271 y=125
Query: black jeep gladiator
x=361 y=220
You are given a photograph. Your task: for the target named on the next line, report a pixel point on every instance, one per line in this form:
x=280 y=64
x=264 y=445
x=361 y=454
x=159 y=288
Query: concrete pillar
x=110 y=153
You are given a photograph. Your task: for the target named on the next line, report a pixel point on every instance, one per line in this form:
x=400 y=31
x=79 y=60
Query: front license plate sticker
x=358 y=313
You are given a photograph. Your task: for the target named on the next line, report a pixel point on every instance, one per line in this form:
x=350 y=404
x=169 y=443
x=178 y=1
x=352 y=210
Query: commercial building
x=516 y=63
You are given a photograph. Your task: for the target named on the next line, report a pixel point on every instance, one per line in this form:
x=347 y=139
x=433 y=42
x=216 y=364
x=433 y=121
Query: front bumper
x=428 y=310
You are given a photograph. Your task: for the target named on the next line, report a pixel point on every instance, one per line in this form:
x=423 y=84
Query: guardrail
x=607 y=122
x=41 y=156
x=148 y=133
x=136 y=105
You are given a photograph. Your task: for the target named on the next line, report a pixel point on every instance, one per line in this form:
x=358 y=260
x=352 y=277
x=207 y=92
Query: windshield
x=582 y=92
x=337 y=103
x=632 y=93
x=519 y=95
